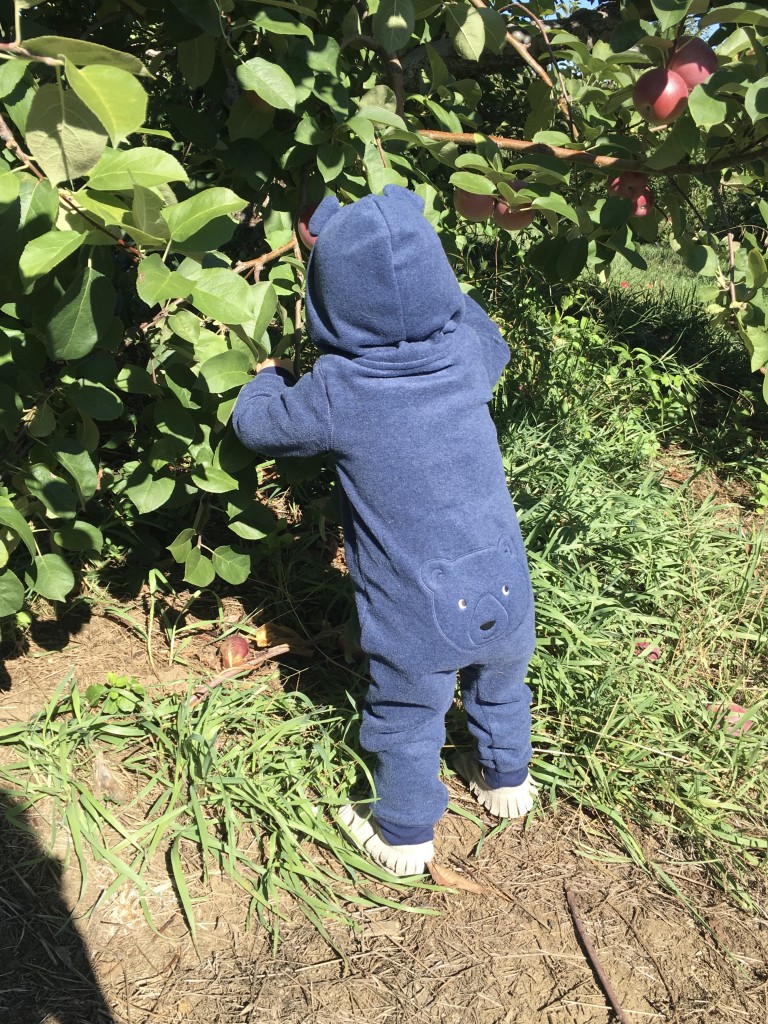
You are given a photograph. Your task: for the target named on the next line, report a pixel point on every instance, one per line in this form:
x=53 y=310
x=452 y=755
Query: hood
x=378 y=275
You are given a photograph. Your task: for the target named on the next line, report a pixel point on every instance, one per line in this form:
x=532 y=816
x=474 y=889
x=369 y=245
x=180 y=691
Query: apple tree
x=160 y=159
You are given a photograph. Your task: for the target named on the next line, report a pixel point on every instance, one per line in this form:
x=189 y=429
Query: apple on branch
x=302 y=226
x=693 y=61
x=660 y=96
x=628 y=184
x=513 y=218
x=471 y=206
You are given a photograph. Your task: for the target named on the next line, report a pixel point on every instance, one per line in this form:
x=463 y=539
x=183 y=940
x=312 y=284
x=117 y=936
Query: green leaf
x=53 y=577
x=198 y=569
x=380 y=115
x=81 y=316
x=705 y=108
x=14 y=520
x=702 y=259
x=146 y=213
x=670 y=12
x=11 y=409
x=119 y=171
x=330 y=160
x=148 y=492
x=214 y=480
x=79 y=536
x=393 y=23
x=225 y=371
x=11 y=593
x=475 y=183
x=223 y=295
x=756 y=100
x=203 y=13
x=181 y=545
x=466 y=29
x=78 y=463
x=190 y=216
x=758 y=272
x=495 y=29
x=247 y=121
x=83 y=53
x=9 y=187
x=233 y=567
x=45 y=252
x=157 y=283
x=113 y=95
x=63 y=135
x=53 y=491
x=572 y=259
x=280 y=23
x=756 y=341
x=556 y=204
x=196 y=57
x=94 y=399
x=268 y=81
x=739 y=14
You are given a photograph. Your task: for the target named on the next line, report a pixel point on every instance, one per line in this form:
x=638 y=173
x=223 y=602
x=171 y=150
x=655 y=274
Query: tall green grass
x=624 y=567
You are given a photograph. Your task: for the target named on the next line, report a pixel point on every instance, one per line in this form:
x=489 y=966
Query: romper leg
x=497 y=702
x=403 y=723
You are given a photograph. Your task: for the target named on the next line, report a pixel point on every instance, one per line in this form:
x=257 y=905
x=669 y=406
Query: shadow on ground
x=45 y=971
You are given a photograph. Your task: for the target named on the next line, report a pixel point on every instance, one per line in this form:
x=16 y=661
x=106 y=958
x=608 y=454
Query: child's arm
x=276 y=416
x=495 y=350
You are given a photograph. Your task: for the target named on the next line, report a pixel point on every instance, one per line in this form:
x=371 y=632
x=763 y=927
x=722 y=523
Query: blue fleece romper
x=400 y=399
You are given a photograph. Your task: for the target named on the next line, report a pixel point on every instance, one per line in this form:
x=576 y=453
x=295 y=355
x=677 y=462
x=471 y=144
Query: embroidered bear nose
x=488 y=625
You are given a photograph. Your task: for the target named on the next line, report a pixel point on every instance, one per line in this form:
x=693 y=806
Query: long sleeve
x=276 y=417
x=494 y=349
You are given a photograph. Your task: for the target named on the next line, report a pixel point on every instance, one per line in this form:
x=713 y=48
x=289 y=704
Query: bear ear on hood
x=404 y=195
x=327 y=209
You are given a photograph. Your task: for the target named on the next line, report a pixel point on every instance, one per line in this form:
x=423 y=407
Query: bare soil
x=508 y=954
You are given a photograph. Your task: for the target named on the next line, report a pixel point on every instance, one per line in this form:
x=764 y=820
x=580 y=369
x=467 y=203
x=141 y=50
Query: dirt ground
x=510 y=954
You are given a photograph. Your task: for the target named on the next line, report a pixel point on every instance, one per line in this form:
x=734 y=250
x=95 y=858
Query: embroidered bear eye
x=505 y=590
x=463 y=604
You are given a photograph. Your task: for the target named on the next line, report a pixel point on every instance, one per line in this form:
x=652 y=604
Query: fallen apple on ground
x=234 y=650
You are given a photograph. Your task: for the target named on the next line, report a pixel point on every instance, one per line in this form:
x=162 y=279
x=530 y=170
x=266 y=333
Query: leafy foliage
x=157 y=156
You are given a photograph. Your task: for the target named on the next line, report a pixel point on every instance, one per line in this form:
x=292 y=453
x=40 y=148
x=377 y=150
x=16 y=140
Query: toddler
x=400 y=400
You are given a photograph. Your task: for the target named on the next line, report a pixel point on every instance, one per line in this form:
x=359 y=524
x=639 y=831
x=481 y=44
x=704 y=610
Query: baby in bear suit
x=400 y=400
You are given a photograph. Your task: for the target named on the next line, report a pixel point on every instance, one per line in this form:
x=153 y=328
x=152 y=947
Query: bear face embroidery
x=480 y=596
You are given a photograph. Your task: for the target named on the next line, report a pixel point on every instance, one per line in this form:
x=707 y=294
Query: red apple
x=660 y=96
x=302 y=226
x=628 y=185
x=234 y=651
x=693 y=60
x=471 y=206
x=644 y=203
x=513 y=218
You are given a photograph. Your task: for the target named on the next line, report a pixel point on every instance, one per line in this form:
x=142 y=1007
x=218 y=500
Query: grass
x=651 y=611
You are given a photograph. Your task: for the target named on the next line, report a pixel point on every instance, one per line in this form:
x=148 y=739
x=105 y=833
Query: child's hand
x=279 y=364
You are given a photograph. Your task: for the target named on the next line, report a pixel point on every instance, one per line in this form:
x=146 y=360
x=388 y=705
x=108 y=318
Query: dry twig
x=593 y=958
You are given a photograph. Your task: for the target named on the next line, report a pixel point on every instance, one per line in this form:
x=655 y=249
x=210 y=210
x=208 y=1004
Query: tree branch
x=257 y=265
x=565 y=104
x=596 y=161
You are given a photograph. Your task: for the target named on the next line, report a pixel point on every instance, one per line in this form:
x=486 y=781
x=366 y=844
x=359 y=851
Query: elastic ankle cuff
x=502 y=780
x=405 y=835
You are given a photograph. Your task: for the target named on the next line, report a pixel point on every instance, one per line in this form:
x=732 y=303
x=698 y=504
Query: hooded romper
x=400 y=399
